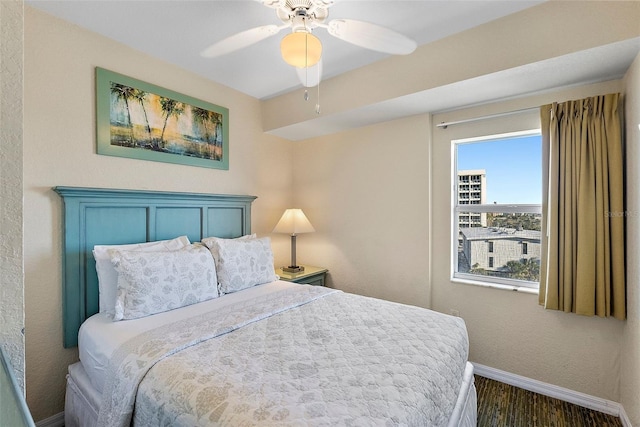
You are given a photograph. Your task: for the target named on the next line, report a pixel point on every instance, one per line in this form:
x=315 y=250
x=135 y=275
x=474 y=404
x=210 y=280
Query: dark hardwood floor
x=500 y=404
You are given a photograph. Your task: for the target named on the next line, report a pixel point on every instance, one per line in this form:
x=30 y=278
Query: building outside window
x=471 y=195
x=497 y=209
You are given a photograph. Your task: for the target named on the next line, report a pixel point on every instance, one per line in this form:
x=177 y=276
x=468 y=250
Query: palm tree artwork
x=140 y=96
x=143 y=120
x=170 y=108
x=210 y=125
x=122 y=93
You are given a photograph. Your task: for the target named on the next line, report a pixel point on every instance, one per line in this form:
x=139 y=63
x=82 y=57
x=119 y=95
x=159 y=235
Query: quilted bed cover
x=300 y=356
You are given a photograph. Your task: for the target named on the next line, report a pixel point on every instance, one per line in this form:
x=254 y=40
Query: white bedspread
x=300 y=356
x=100 y=337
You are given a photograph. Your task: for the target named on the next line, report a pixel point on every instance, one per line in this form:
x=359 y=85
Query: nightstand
x=311 y=275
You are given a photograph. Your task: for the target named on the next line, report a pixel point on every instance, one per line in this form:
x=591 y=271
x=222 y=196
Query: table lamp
x=293 y=222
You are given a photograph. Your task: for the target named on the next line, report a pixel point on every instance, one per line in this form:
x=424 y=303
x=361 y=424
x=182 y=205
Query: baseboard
x=626 y=422
x=575 y=397
x=56 y=420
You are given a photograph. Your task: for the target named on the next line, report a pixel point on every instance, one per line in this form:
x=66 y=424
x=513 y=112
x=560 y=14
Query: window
x=498 y=210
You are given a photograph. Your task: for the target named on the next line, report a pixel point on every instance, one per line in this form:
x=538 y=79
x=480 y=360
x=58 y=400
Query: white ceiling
x=599 y=64
x=178 y=30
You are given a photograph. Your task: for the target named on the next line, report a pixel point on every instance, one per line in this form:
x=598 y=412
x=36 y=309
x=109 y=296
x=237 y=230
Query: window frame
x=491 y=281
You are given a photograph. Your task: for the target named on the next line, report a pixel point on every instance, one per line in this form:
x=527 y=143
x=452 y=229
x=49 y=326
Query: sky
x=513 y=166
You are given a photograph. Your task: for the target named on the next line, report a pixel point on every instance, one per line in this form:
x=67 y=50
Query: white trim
x=508 y=135
x=585 y=400
x=457 y=208
x=463 y=278
x=56 y=420
x=626 y=422
x=497 y=282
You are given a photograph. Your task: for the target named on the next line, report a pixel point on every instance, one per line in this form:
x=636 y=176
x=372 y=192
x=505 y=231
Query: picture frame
x=139 y=120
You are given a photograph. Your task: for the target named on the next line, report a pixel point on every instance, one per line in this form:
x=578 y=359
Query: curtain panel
x=582 y=264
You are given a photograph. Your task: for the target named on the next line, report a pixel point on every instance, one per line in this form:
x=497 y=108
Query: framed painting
x=147 y=122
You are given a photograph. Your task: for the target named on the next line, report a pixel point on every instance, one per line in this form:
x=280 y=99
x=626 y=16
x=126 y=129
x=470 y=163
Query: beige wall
x=509 y=330
x=364 y=192
x=630 y=361
x=371 y=207
x=59 y=149
x=380 y=200
x=11 y=279
x=376 y=195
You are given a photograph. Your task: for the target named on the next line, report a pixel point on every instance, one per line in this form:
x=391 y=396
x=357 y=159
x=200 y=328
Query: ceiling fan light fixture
x=301 y=49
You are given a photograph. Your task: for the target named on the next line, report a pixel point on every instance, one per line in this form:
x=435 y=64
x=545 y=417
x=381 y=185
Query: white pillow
x=208 y=241
x=153 y=282
x=242 y=263
x=107 y=275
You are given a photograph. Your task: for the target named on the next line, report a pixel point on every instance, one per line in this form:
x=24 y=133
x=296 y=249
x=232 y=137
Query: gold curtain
x=582 y=265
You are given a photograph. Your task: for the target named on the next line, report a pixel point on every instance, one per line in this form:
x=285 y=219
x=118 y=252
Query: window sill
x=512 y=288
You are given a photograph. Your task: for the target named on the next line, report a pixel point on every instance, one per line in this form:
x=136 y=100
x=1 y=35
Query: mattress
x=279 y=353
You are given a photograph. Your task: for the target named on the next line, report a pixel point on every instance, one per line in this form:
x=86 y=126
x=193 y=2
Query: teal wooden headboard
x=95 y=216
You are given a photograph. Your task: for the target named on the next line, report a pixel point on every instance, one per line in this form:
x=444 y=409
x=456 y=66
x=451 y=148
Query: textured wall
x=11 y=274
x=630 y=364
x=60 y=60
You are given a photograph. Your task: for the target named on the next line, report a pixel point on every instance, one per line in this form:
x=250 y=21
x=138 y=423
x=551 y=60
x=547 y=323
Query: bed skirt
x=82 y=401
x=465 y=413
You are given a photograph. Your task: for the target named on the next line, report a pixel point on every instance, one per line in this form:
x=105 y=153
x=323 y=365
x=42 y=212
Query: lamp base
x=293 y=269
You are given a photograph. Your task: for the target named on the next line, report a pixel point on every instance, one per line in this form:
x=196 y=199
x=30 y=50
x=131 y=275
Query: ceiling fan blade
x=274 y=4
x=311 y=76
x=240 y=40
x=371 y=36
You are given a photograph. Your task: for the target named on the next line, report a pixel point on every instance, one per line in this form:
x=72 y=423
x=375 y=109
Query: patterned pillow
x=208 y=241
x=107 y=275
x=153 y=282
x=242 y=263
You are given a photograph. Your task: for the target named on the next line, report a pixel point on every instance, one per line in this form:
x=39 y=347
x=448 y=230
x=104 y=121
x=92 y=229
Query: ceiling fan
x=301 y=48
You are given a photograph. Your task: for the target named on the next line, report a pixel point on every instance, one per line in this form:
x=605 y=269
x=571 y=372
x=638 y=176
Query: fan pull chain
x=306 y=83
x=306 y=71
x=306 y=80
x=306 y=64
x=318 y=103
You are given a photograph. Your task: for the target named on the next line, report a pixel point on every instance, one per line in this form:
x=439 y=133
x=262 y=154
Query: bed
x=254 y=351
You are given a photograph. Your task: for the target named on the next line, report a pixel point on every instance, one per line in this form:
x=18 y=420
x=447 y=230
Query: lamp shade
x=301 y=49
x=293 y=221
